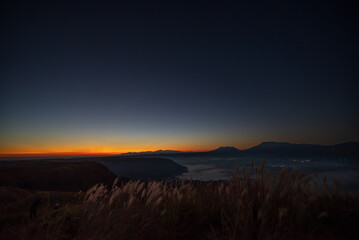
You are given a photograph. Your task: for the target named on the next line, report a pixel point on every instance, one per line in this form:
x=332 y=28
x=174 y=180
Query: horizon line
x=84 y=153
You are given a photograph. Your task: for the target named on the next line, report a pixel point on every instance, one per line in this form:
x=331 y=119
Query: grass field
x=254 y=204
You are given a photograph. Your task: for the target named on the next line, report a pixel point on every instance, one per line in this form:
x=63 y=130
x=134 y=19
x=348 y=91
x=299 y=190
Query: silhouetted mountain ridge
x=285 y=149
x=272 y=149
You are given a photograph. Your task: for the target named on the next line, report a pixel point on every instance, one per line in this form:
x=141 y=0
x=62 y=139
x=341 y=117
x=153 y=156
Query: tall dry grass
x=254 y=204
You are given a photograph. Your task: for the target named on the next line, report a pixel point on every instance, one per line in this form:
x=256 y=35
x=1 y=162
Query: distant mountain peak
x=227 y=149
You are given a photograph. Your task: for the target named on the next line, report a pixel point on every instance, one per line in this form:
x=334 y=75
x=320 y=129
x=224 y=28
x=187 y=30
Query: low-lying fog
x=344 y=170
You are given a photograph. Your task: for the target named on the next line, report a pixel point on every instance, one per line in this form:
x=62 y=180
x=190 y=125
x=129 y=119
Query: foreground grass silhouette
x=252 y=205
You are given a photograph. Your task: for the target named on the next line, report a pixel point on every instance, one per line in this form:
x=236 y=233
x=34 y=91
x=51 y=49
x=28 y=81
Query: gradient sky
x=117 y=77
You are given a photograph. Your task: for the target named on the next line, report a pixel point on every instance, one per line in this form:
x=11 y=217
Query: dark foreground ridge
x=54 y=176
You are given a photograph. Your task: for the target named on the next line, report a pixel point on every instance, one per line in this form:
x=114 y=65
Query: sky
x=105 y=77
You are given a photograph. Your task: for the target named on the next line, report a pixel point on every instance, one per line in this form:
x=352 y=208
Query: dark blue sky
x=192 y=75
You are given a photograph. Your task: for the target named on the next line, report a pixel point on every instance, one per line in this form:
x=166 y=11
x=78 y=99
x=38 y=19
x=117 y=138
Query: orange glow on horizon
x=56 y=154
x=91 y=153
x=91 y=149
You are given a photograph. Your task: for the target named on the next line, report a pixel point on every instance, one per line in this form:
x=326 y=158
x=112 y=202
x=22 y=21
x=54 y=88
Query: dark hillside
x=50 y=175
x=143 y=167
